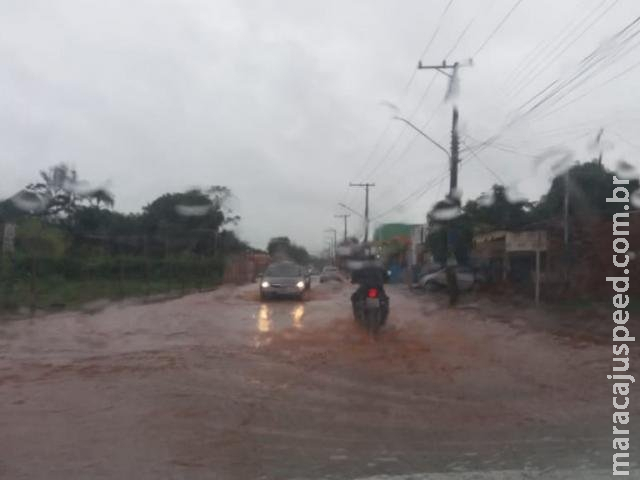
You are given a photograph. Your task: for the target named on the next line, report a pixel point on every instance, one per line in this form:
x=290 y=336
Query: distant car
x=437 y=280
x=330 y=273
x=283 y=279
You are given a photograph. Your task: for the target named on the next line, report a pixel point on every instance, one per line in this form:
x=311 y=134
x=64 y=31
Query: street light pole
x=350 y=209
x=344 y=216
x=412 y=125
x=452 y=155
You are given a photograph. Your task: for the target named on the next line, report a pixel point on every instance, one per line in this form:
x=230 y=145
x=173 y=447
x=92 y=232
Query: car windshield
x=283 y=270
x=320 y=239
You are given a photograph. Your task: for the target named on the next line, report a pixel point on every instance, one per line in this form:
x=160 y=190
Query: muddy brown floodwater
x=219 y=385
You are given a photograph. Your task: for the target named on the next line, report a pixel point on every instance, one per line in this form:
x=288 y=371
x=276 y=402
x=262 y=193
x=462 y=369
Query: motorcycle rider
x=370 y=273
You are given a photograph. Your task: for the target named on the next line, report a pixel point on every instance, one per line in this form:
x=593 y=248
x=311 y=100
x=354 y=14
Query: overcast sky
x=287 y=101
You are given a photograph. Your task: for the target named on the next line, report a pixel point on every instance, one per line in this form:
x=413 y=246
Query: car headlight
x=264 y=284
x=300 y=284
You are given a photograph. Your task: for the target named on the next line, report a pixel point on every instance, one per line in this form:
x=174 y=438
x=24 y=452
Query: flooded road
x=220 y=385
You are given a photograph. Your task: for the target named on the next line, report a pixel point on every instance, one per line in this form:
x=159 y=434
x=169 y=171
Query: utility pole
x=567 y=253
x=599 y=143
x=344 y=216
x=454 y=160
x=335 y=241
x=455 y=149
x=366 y=206
x=453 y=168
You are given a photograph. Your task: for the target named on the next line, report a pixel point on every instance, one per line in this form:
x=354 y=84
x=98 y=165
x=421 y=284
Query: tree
x=191 y=220
x=59 y=195
x=497 y=212
x=282 y=248
x=589 y=186
x=101 y=195
x=220 y=196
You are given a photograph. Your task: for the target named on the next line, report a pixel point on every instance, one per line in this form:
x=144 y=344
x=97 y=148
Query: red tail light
x=372 y=293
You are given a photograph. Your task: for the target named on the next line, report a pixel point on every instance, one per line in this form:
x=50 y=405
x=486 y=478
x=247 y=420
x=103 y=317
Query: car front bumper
x=281 y=290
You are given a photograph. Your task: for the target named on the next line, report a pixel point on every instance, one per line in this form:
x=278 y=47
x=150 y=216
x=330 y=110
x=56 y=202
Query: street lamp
x=452 y=280
x=350 y=209
x=402 y=119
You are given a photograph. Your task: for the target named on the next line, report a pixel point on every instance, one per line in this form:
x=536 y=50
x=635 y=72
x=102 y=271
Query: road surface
x=218 y=385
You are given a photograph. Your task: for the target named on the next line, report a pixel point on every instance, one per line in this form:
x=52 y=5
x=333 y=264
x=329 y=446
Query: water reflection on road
x=265 y=324
x=297 y=315
x=270 y=316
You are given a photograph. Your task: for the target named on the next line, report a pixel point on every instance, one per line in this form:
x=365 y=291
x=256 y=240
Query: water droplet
x=513 y=195
x=486 y=199
x=626 y=170
x=446 y=213
x=635 y=198
x=30 y=202
x=81 y=187
x=561 y=158
x=561 y=165
x=193 y=210
x=456 y=193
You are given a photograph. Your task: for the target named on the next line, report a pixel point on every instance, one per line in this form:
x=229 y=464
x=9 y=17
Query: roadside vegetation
x=71 y=246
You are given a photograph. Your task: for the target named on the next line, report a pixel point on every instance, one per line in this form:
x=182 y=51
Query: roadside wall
x=591 y=258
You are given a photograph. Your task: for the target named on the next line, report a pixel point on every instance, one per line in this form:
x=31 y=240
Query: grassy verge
x=58 y=293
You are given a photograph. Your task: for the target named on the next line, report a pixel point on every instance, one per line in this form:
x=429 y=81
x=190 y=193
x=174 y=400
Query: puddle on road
x=270 y=317
x=309 y=295
x=341 y=341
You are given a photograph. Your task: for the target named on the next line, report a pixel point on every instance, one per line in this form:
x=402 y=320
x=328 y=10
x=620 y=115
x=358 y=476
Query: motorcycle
x=371 y=311
x=370 y=304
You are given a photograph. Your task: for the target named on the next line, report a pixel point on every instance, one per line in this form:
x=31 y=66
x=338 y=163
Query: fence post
x=32 y=285
x=146 y=265
x=120 y=271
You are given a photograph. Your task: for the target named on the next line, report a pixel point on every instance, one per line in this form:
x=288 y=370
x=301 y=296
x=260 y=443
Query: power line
x=376 y=145
x=420 y=191
x=429 y=43
x=616 y=56
x=497 y=147
x=600 y=85
x=625 y=140
x=590 y=62
x=537 y=57
x=489 y=169
x=460 y=37
x=561 y=52
x=495 y=30
x=424 y=51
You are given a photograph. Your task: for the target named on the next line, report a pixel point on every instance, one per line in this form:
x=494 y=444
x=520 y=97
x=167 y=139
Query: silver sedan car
x=330 y=273
x=283 y=279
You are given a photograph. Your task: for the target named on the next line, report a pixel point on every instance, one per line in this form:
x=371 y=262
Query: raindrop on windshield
x=446 y=213
x=635 y=198
x=193 y=210
x=486 y=199
x=30 y=202
x=625 y=170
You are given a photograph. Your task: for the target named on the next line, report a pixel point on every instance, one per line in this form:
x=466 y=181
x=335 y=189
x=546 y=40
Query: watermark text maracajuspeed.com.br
x=621 y=334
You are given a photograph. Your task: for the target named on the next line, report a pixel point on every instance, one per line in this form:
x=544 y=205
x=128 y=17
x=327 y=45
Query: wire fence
x=43 y=283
